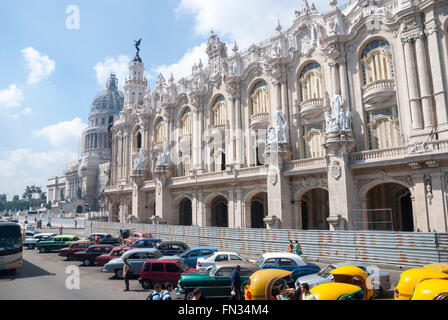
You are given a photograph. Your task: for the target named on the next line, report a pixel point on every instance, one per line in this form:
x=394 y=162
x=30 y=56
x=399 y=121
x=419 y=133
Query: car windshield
x=324 y=273
x=260 y=262
x=209 y=256
x=213 y=270
x=10 y=238
x=182 y=265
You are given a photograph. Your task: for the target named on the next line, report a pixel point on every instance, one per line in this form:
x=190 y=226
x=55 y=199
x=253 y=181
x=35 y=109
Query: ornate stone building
x=338 y=122
x=83 y=183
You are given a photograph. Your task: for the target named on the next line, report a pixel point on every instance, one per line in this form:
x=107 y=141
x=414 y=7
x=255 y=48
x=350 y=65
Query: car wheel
x=189 y=295
x=42 y=250
x=33 y=247
x=146 y=284
x=69 y=258
x=119 y=273
x=87 y=262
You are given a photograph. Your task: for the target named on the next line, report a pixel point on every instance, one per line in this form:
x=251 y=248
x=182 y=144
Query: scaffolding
x=373 y=219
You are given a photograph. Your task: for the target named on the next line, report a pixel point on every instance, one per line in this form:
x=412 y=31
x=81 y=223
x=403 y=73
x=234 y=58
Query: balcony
x=311 y=108
x=378 y=91
x=259 y=120
x=307 y=166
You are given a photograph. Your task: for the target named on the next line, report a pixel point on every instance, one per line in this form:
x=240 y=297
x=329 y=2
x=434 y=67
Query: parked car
x=135 y=257
x=162 y=272
x=56 y=243
x=380 y=278
x=191 y=256
x=263 y=284
x=289 y=262
x=171 y=248
x=349 y=283
x=206 y=263
x=89 y=256
x=115 y=253
x=146 y=243
x=137 y=236
x=30 y=242
x=215 y=283
x=410 y=278
x=104 y=238
x=433 y=289
x=77 y=246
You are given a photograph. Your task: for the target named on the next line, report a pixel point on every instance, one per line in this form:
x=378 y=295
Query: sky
x=56 y=56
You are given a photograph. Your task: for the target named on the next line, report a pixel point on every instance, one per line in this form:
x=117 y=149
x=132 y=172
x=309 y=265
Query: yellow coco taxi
x=262 y=285
x=433 y=289
x=409 y=279
x=349 y=283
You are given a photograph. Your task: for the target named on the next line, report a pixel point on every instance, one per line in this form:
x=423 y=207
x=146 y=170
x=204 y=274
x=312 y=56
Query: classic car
x=56 y=243
x=88 y=256
x=215 y=283
x=433 y=289
x=263 y=284
x=115 y=253
x=137 y=236
x=77 y=246
x=380 y=278
x=289 y=262
x=172 y=248
x=203 y=264
x=191 y=256
x=136 y=259
x=162 y=272
x=104 y=238
x=146 y=244
x=349 y=283
x=30 y=242
x=410 y=278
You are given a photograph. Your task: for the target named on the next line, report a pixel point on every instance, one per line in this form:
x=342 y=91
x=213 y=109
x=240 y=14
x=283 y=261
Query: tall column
x=239 y=133
x=425 y=89
x=334 y=70
x=278 y=97
x=230 y=134
x=436 y=206
x=284 y=93
x=411 y=71
x=344 y=82
x=420 y=207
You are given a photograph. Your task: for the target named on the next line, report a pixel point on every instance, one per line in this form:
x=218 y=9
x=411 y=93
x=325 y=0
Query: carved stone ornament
x=336 y=170
x=273 y=178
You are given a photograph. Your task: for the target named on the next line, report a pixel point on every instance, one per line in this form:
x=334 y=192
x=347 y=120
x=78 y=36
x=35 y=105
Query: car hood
x=192 y=276
x=312 y=279
x=115 y=261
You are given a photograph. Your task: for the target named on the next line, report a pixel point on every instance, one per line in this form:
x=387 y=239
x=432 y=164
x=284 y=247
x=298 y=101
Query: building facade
x=338 y=122
x=81 y=187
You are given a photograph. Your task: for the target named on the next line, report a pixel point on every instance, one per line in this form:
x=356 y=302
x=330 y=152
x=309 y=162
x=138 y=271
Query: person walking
x=60 y=229
x=306 y=293
x=290 y=247
x=166 y=294
x=76 y=224
x=298 y=248
x=155 y=295
x=236 y=284
x=126 y=268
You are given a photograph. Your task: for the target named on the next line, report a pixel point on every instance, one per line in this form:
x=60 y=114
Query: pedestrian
x=282 y=292
x=298 y=249
x=126 y=268
x=166 y=294
x=236 y=284
x=197 y=295
x=76 y=223
x=97 y=239
x=291 y=246
x=306 y=293
x=155 y=295
x=60 y=229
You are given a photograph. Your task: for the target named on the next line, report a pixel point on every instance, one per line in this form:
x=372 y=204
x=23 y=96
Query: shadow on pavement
x=28 y=270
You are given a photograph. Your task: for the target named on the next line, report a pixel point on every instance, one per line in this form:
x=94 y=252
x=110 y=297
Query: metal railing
x=390 y=248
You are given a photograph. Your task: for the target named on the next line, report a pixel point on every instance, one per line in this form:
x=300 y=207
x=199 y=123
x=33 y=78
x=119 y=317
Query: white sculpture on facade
x=163 y=158
x=140 y=161
x=279 y=134
x=338 y=120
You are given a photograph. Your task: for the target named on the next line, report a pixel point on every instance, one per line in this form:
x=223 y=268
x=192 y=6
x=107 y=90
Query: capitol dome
x=110 y=100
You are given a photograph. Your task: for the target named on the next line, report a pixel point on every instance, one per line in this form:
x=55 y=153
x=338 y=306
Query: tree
x=3 y=198
x=15 y=198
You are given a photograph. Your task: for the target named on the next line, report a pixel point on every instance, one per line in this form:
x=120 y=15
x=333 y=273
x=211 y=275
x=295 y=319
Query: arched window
x=187 y=122
x=310 y=82
x=313 y=140
x=383 y=128
x=160 y=131
x=219 y=159
x=138 y=140
x=377 y=62
x=259 y=98
x=219 y=115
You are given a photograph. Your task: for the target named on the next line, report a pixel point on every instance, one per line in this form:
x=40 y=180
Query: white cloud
x=246 y=22
x=40 y=66
x=183 y=67
x=64 y=135
x=27 y=111
x=119 y=66
x=11 y=97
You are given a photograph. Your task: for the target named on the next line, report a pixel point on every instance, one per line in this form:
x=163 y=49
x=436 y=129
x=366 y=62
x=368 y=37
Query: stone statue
x=331 y=122
x=279 y=134
x=137 y=45
x=348 y=120
x=163 y=158
x=337 y=103
x=140 y=161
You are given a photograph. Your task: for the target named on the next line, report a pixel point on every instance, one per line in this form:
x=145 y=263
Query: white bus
x=11 y=246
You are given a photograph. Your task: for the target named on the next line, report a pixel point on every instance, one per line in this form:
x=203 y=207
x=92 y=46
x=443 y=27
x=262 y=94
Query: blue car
x=289 y=262
x=191 y=256
x=146 y=243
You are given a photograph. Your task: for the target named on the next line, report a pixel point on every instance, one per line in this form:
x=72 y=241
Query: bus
x=11 y=246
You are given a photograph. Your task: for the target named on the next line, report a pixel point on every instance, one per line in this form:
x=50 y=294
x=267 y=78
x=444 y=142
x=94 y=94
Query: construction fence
x=400 y=249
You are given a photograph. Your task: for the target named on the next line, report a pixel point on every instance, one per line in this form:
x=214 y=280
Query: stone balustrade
x=259 y=117
x=306 y=163
x=379 y=84
x=379 y=154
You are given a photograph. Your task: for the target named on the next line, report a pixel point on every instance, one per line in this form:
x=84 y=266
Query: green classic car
x=56 y=243
x=215 y=283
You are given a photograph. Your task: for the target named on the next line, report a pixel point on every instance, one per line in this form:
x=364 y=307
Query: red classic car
x=116 y=252
x=137 y=236
x=162 y=272
x=75 y=247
